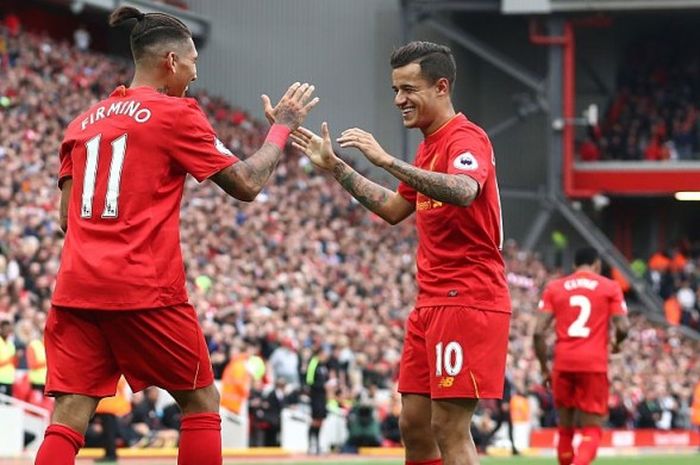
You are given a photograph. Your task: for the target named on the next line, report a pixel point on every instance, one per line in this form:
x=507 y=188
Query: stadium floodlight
x=77 y=7
x=687 y=196
x=589 y=118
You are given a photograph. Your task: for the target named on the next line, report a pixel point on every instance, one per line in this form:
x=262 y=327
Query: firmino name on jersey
x=571 y=284
x=128 y=108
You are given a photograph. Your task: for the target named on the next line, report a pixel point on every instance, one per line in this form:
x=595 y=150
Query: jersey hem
x=450 y=302
x=109 y=307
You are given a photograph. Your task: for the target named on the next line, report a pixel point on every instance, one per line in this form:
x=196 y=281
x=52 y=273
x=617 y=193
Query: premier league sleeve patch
x=222 y=148
x=466 y=162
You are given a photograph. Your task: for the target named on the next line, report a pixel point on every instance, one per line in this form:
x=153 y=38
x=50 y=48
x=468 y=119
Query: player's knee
x=414 y=429
x=448 y=432
x=202 y=400
x=74 y=411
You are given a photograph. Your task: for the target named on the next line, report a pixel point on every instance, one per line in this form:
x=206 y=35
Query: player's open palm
x=367 y=144
x=293 y=107
x=319 y=149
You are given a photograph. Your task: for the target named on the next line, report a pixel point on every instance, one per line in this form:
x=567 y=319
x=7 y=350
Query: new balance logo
x=446 y=381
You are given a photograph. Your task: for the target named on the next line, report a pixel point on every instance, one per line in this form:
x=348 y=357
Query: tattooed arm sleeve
x=456 y=189
x=391 y=206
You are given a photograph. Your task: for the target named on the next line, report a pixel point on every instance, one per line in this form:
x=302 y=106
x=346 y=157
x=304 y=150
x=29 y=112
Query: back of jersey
x=582 y=304
x=128 y=157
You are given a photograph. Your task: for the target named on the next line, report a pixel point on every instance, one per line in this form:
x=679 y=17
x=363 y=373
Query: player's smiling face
x=415 y=96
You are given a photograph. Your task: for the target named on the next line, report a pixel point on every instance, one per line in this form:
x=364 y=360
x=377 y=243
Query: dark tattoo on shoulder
x=443 y=187
x=163 y=90
x=369 y=194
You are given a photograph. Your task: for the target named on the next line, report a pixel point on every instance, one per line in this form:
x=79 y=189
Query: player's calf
x=451 y=421
x=588 y=449
x=565 y=448
x=60 y=446
x=200 y=427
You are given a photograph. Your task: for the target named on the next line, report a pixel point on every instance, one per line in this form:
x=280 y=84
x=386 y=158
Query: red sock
x=565 y=449
x=200 y=439
x=589 y=445
x=61 y=445
x=424 y=462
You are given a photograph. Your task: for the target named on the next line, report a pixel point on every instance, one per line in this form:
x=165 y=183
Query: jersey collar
x=435 y=135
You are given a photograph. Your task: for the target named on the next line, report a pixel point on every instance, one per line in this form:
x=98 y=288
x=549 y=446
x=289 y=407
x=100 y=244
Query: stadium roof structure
x=516 y=7
x=198 y=24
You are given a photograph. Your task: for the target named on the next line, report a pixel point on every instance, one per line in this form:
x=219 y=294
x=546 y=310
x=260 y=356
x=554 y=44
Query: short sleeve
x=545 y=304
x=407 y=192
x=195 y=146
x=65 y=170
x=470 y=154
x=618 y=306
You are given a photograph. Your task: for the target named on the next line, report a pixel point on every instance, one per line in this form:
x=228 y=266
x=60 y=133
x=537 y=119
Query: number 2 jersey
x=582 y=304
x=128 y=157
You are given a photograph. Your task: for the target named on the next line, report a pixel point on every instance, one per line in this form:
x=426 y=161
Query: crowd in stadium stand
x=301 y=272
x=673 y=274
x=654 y=113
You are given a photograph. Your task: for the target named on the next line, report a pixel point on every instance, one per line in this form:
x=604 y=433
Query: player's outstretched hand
x=293 y=107
x=367 y=144
x=319 y=149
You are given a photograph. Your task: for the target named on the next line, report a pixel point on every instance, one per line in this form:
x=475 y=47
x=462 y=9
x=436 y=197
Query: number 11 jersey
x=582 y=304
x=128 y=157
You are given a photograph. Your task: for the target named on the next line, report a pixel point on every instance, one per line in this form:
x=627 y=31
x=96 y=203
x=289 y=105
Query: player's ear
x=170 y=61
x=443 y=86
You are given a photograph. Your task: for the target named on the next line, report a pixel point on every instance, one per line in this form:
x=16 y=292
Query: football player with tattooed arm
x=457 y=335
x=120 y=305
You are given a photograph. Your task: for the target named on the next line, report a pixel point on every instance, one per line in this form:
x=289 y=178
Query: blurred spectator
x=81 y=36
x=695 y=411
x=36 y=359
x=280 y=396
x=648 y=411
x=13 y=24
x=363 y=428
x=316 y=379
x=390 y=424
x=109 y=413
x=236 y=381
x=284 y=363
x=7 y=358
x=157 y=426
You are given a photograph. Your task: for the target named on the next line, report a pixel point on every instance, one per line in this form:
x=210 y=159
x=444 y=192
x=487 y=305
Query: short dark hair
x=150 y=28
x=436 y=61
x=585 y=256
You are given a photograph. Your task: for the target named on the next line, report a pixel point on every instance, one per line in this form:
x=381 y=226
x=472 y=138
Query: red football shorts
x=87 y=350
x=454 y=352
x=585 y=391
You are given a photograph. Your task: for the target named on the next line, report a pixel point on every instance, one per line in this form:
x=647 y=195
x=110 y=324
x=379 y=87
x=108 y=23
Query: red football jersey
x=582 y=304
x=129 y=156
x=459 y=259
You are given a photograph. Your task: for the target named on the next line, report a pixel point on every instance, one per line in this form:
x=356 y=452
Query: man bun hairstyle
x=150 y=29
x=436 y=61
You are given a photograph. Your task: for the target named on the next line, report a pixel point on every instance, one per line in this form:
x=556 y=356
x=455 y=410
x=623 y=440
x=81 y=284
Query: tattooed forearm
x=443 y=187
x=245 y=179
x=261 y=164
x=371 y=195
